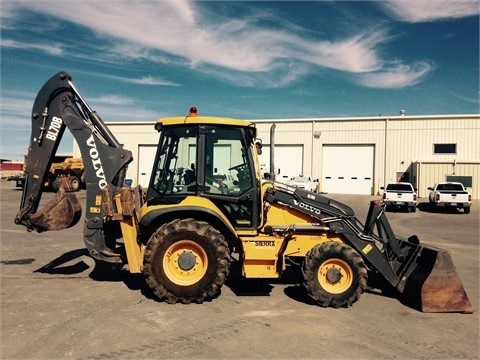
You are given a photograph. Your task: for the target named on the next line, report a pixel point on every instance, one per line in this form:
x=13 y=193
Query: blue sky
x=141 y=60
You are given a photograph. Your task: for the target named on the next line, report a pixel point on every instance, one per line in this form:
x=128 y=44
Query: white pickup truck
x=303 y=182
x=400 y=195
x=450 y=194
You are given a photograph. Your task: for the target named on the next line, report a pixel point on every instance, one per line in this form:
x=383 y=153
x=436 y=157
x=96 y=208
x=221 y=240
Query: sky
x=142 y=60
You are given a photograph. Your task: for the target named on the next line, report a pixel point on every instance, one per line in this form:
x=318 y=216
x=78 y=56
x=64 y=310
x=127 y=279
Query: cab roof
x=203 y=120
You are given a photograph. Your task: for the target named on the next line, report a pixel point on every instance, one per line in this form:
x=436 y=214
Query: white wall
x=399 y=142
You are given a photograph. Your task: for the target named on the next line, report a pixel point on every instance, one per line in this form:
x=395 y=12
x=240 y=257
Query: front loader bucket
x=434 y=285
x=63 y=211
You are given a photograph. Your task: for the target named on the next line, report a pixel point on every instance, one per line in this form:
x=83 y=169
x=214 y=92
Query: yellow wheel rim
x=185 y=262
x=335 y=276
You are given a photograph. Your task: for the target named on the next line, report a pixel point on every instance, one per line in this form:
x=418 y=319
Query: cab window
x=227 y=166
x=176 y=162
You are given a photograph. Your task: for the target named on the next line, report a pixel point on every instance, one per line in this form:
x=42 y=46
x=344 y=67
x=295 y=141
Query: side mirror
x=258 y=145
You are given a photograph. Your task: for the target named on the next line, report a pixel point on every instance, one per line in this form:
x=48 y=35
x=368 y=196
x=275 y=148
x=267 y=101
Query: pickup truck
x=303 y=182
x=19 y=180
x=450 y=194
x=400 y=195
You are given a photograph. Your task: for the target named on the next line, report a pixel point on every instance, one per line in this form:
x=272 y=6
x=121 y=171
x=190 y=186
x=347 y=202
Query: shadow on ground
x=426 y=207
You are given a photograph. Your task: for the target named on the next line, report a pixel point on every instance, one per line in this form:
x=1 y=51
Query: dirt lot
x=55 y=306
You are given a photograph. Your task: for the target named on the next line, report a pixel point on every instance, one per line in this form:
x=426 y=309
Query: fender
x=152 y=220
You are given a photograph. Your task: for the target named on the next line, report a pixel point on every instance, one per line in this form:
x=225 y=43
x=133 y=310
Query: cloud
x=184 y=33
x=14 y=105
x=396 y=76
x=148 y=80
x=124 y=113
x=177 y=28
x=50 y=49
x=467 y=99
x=431 y=10
x=144 y=80
x=16 y=109
x=355 y=54
x=114 y=100
x=8 y=14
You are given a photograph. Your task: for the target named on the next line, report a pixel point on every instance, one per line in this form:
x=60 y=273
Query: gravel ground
x=54 y=306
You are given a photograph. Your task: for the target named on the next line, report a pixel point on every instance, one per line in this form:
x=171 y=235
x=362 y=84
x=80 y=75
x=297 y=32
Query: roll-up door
x=347 y=169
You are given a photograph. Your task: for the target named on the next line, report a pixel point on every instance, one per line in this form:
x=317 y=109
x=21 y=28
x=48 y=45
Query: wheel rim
x=185 y=262
x=335 y=276
x=75 y=184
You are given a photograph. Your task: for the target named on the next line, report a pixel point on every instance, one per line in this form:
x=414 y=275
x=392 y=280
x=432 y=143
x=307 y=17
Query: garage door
x=146 y=157
x=288 y=160
x=347 y=169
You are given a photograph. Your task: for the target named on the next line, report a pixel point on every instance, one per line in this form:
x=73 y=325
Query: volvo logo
x=97 y=163
x=307 y=207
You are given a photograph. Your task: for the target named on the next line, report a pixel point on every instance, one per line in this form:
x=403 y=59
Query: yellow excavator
x=186 y=230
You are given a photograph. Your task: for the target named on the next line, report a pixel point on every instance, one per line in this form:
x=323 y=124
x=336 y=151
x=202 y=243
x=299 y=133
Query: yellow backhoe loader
x=187 y=228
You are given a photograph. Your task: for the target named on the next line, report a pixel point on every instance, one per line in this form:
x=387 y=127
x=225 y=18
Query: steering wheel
x=221 y=186
x=237 y=167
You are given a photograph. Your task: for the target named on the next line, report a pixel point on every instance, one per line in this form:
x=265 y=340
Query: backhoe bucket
x=63 y=211
x=434 y=285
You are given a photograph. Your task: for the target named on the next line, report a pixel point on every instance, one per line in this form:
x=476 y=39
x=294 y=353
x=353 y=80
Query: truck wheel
x=335 y=274
x=186 y=260
x=412 y=208
x=75 y=182
x=466 y=210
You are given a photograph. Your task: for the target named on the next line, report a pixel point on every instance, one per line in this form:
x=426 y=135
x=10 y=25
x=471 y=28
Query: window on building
x=444 y=148
x=465 y=180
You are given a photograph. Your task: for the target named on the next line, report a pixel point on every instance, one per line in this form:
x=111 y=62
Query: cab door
x=228 y=174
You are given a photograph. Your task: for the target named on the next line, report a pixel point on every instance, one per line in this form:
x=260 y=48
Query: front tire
x=186 y=260
x=334 y=274
x=55 y=185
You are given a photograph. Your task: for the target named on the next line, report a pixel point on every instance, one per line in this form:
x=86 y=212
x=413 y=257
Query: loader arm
x=57 y=106
x=423 y=275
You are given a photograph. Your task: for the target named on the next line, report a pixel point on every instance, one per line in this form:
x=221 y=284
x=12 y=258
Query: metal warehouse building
x=349 y=155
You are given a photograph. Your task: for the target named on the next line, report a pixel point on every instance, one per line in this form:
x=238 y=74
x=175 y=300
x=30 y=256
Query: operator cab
x=211 y=158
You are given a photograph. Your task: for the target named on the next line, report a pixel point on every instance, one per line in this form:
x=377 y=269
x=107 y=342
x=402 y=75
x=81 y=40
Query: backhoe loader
x=188 y=227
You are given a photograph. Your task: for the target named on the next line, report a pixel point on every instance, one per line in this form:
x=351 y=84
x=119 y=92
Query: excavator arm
x=57 y=106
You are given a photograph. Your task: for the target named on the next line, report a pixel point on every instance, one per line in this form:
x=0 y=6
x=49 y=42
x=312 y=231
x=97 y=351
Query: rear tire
x=72 y=185
x=466 y=210
x=186 y=260
x=75 y=182
x=334 y=274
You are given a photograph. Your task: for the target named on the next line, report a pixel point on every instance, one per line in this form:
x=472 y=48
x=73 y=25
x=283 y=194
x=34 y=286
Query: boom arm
x=59 y=105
